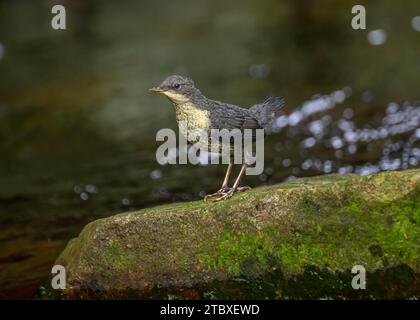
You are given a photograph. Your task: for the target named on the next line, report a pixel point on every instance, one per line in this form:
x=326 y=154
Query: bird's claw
x=225 y=193
x=216 y=194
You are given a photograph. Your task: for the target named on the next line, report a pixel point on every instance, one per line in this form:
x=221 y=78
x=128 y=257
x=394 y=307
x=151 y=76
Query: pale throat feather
x=188 y=113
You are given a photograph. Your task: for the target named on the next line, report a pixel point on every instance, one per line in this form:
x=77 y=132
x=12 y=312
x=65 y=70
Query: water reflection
x=377 y=37
x=395 y=141
x=415 y=23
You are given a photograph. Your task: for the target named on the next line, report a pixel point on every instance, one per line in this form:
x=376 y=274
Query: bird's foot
x=243 y=188
x=220 y=192
x=226 y=195
x=230 y=192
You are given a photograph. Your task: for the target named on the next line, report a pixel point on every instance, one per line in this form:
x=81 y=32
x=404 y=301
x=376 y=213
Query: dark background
x=77 y=124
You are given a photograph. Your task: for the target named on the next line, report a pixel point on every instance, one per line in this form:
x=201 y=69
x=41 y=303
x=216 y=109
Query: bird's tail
x=267 y=111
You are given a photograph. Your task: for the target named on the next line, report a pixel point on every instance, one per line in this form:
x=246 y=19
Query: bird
x=201 y=113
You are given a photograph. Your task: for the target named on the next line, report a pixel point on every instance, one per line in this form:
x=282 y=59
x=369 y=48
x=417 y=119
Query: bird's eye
x=176 y=85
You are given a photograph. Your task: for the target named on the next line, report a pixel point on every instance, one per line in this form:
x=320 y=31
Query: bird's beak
x=156 y=89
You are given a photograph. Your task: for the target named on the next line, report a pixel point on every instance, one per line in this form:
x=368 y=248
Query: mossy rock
x=298 y=239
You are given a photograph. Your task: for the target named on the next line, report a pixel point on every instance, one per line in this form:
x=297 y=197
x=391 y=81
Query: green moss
x=115 y=257
x=333 y=232
x=239 y=251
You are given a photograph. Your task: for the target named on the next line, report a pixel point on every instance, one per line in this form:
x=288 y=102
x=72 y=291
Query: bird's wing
x=241 y=122
x=234 y=117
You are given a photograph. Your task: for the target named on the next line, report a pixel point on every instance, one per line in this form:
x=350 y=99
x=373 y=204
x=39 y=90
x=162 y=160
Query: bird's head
x=179 y=89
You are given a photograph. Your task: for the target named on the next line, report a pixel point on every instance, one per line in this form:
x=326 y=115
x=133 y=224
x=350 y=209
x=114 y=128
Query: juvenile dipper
x=200 y=113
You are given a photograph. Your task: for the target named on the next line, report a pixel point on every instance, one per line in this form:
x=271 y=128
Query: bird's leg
x=238 y=179
x=235 y=187
x=226 y=179
x=224 y=187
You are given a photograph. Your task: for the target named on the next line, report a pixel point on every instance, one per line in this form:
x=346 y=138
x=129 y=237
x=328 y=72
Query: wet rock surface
x=298 y=239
